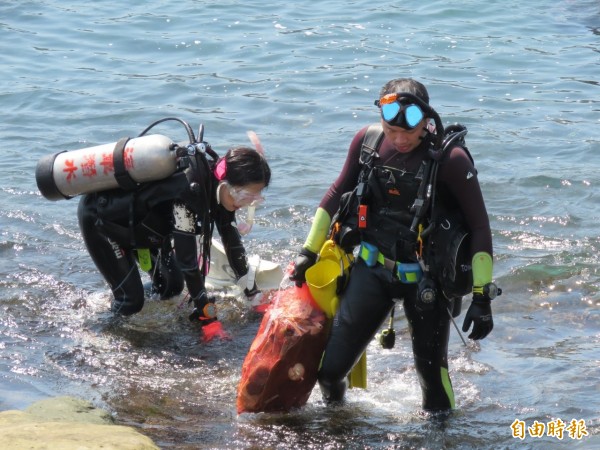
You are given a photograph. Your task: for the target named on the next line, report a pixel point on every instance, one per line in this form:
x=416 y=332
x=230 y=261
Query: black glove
x=480 y=314
x=304 y=260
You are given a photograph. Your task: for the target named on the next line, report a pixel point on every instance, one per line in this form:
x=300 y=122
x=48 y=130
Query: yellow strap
x=412 y=277
x=143 y=255
x=358 y=376
x=420 y=241
x=365 y=254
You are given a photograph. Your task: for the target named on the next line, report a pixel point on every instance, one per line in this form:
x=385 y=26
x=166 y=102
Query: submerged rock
x=67 y=423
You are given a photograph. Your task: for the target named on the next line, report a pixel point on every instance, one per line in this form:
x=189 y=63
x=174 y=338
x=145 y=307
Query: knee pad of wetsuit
x=333 y=391
x=126 y=307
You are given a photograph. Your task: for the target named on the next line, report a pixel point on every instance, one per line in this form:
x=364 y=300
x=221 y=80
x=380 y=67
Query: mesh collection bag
x=280 y=369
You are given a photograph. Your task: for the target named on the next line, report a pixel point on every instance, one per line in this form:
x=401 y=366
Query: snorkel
x=245 y=227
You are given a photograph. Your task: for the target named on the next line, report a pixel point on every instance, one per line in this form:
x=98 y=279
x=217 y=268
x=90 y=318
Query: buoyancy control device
x=123 y=164
x=447 y=241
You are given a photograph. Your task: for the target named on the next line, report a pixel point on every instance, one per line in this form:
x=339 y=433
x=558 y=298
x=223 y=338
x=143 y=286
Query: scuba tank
x=123 y=164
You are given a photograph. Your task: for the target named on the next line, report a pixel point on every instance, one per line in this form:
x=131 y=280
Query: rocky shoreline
x=67 y=423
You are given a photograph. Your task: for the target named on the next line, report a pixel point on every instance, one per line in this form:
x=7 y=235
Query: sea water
x=521 y=76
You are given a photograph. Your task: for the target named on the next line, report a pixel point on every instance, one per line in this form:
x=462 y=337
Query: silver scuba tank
x=124 y=164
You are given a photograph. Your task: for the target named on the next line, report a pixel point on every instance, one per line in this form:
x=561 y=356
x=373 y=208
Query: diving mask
x=244 y=197
x=398 y=113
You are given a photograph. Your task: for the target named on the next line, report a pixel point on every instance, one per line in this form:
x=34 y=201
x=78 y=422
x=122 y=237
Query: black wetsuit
x=372 y=291
x=166 y=217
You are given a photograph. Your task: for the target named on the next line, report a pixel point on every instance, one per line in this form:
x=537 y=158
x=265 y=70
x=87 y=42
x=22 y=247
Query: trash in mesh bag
x=280 y=369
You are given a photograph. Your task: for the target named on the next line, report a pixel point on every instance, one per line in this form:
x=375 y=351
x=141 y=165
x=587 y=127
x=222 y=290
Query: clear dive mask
x=243 y=198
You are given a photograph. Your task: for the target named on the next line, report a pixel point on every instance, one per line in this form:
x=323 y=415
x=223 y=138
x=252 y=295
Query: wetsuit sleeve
x=345 y=182
x=186 y=248
x=232 y=241
x=318 y=231
x=460 y=178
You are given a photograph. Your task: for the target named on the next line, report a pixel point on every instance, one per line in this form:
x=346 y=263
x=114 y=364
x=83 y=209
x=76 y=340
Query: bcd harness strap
x=121 y=175
x=408 y=273
x=426 y=174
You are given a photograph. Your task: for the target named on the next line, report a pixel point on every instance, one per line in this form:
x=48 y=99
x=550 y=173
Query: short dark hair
x=245 y=166
x=405 y=85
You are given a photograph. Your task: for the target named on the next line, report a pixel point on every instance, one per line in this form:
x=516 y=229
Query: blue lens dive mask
x=398 y=114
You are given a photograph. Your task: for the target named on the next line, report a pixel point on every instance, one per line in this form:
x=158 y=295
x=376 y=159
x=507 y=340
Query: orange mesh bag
x=280 y=369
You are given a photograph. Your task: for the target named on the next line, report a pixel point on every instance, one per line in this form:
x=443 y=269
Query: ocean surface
x=522 y=76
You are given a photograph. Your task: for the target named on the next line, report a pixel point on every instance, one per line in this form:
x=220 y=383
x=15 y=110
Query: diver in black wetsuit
x=158 y=223
x=387 y=269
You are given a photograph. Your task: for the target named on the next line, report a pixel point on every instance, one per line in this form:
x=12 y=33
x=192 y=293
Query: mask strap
x=219 y=187
x=221 y=169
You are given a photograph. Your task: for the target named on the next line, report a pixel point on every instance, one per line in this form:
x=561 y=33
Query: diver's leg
x=365 y=305
x=167 y=278
x=116 y=264
x=430 y=331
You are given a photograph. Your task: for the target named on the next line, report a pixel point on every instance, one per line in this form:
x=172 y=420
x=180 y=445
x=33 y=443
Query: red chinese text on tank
x=107 y=163
x=70 y=168
x=88 y=166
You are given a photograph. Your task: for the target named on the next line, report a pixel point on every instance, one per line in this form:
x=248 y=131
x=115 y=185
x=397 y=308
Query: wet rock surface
x=67 y=423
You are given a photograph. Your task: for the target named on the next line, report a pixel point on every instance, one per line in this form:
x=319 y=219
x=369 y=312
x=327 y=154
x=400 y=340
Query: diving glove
x=480 y=315
x=304 y=260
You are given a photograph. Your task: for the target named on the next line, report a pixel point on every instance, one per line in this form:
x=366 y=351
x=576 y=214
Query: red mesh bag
x=280 y=369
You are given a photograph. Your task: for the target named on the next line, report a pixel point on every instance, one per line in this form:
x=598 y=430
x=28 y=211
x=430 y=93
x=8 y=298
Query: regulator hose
x=188 y=129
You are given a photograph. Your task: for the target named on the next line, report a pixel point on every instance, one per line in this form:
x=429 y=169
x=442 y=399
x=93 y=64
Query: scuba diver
x=383 y=203
x=165 y=226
